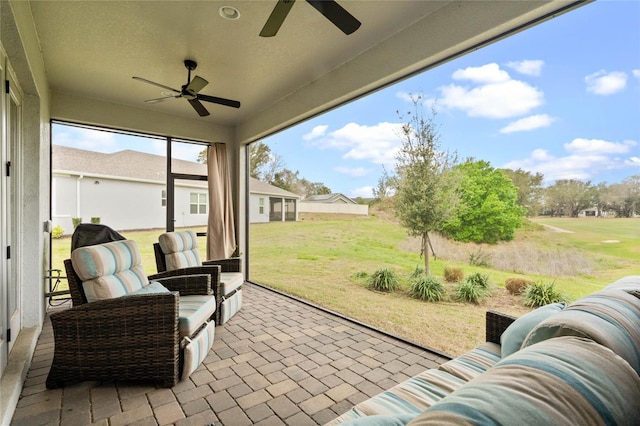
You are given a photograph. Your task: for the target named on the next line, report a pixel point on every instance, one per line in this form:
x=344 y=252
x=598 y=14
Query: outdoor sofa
x=563 y=365
x=126 y=326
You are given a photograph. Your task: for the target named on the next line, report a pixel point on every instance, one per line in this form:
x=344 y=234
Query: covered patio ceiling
x=92 y=49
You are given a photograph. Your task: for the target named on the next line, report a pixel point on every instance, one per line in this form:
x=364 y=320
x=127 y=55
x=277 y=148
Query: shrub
x=467 y=291
x=57 y=232
x=427 y=288
x=481 y=280
x=383 y=280
x=480 y=258
x=95 y=220
x=453 y=274
x=76 y=221
x=417 y=272
x=516 y=285
x=539 y=294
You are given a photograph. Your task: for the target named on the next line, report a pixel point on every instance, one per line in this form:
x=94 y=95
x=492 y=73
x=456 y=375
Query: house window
x=261 y=205
x=163 y=198
x=198 y=203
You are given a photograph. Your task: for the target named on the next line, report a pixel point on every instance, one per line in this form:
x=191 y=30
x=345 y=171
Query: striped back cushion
x=180 y=249
x=609 y=317
x=562 y=381
x=630 y=284
x=109 y=270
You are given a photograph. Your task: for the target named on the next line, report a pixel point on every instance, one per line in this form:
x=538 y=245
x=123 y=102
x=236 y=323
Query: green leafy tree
x=569 y=197
x=623 y=198
x=488 y=211
x=259 y=156
x=425 y=196
x=529 y=189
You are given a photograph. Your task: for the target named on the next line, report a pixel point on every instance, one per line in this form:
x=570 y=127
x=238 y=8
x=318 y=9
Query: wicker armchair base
x=127 y=338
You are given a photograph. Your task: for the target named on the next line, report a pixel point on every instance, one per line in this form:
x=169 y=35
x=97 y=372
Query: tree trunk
x=425 y=253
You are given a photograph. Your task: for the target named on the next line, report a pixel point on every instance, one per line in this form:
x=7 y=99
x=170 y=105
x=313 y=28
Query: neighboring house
x=332 y=203
x=127 y=190
x=268 y=203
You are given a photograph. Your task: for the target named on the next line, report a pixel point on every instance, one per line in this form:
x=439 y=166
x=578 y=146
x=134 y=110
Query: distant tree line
x=269 y=167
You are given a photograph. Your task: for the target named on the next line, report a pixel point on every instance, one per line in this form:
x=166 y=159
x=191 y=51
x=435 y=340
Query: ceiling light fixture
x=229 y=12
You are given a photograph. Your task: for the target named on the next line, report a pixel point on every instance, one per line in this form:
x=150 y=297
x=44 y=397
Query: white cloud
x=490 y=73
x=378 y=143
x=599 y=146
x=354 y=172
x=316 y=132
x=527 y=67
x=636 y=73
x=528 y=123
x=584 y=159
x=492 y=94
x=604 y=83
x=364 y=192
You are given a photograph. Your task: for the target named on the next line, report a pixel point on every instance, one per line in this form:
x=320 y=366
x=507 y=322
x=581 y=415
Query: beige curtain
x=221 y=237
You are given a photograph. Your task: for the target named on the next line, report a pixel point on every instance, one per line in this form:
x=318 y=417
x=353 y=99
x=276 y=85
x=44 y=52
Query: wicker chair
x=177 y=252
x=141 y=335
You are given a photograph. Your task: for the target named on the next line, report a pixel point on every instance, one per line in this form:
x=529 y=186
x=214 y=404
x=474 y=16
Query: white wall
x=342 y=208
x=121 y=205
x=254 y=209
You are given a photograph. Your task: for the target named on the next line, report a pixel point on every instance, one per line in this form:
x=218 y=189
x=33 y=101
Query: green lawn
x=322 y=260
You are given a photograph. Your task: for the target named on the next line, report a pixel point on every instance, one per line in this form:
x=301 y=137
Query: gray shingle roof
x=129 y=164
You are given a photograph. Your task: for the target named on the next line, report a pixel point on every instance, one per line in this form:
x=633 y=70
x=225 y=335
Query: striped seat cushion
x=543 y=385
x=609 y=317
x=474 y=362
x=193 y=311
x=197 y=349
x=630 y=284
x=109 y=270
x=230 y=306
x=420 y=392
x=230 y=281
x=180 y=249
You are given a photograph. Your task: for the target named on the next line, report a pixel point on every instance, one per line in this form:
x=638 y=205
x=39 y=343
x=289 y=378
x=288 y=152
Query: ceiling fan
x=329 y=8
x=189 y=91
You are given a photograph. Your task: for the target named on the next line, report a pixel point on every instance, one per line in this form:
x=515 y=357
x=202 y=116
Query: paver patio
x=277 y=362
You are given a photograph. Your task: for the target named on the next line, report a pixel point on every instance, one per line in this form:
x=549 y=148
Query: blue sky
x=561 y=99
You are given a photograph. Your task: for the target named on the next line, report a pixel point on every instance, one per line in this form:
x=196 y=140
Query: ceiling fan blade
x=144 y=80
x=196 y=85
x=221 y=101
x=336 y=14
x=164 y=98
x=200 y=109
x=279 y=13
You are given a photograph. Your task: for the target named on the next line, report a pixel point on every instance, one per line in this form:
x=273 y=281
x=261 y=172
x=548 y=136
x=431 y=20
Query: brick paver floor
x=277 y=362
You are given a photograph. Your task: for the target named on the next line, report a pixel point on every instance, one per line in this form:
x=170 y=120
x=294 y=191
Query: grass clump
x=417 y=272
x=427 y=287
x=453 y=274
x=474 y=288
x=469 y=292
x=480 y=280
x=540 y=294
x=517 y=285
x=384 y=280
x=57 y=232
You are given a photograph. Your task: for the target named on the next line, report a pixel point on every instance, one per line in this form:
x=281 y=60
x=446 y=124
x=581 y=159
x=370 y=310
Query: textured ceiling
x=92 y=49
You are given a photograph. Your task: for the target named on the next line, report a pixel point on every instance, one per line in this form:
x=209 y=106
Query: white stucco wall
x=122 y=205
x=254 y=208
